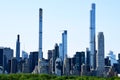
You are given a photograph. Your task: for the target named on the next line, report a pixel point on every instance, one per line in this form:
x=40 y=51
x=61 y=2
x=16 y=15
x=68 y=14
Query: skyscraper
x=92 y=38
x=100 y=54
x=64 y=44
x=33 y=57
x=1 y=57
x=40 y=54
x=61 y=51
x=112 y=57
x=42 y=63
x=18 y=48
x=80 y=59
x=55 y=55
x=13 y=65
x=5 y=55
x=24 y=55
x=58 y=67
x=88 y=59
x=49 y=54
x=77 y=61
x=107 y=61
x=26 y=66
x=40 y=34
x=56 y=51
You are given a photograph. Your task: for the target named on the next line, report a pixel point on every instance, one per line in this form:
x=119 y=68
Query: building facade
x=49 y=54
x=87 y=59
x=6 y=54
x=18 y=48
x=24 y=55
x=40 y=34
x=14 y=65
x=64 y=44
x=33 y=58
x=61 y=55
x=92 y=38
x=100 y=55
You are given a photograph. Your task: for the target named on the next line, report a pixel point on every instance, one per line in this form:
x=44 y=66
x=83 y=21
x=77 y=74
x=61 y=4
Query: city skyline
x=89 y=63
x=52 y=20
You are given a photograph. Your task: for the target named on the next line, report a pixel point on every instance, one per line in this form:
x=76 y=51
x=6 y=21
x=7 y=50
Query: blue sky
x=21 y=17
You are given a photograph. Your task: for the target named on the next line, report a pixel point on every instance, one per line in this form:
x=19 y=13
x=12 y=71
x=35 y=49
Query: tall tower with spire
x=92 y=38
x=18 y=48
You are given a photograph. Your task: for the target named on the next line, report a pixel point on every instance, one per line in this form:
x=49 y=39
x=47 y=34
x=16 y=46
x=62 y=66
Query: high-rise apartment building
x=1 y=57
x=14 y=65
x=100 y=55
x=107 y=61
x=40 y=34
x=33 y=58
x=92 y=38
x=5 y=55
x=26 y=66
x=40 y=53
x=42 y=63
x=112 y=57
x=49 y=54
x=64 y=44
x=56 y=51
x=24 y=55
x=88 y=59
x=61 y=55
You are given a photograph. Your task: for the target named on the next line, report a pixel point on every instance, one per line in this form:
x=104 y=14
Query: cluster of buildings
x=91 y=62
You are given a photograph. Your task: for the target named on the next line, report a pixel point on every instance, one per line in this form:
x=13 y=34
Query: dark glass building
x=56 y=51
x=87 y=59
x=18 y=48
x=14 y=65
x=33 y=57
x=107 y=61
x=9 y=66
x=79 y=60
x=119 y=58
x=5 y=55
x=1 y=57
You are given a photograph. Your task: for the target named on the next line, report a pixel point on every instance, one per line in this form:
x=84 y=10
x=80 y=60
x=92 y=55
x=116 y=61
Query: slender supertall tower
x=64 y=44
x=18 y=48
x=100 y=55
x=42 y=64
x=64 y=52
x=40 y=34
x=92 y=38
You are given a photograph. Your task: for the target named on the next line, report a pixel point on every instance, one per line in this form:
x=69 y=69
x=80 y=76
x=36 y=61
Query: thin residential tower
x=92 y=38
x=40 y=35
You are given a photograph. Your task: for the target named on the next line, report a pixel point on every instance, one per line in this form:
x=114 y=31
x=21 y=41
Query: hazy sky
x=21 y=17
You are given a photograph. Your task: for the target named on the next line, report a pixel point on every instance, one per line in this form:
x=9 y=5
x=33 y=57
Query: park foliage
x=50 y=77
